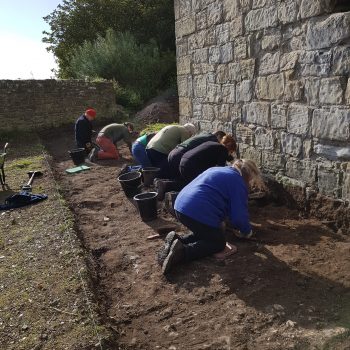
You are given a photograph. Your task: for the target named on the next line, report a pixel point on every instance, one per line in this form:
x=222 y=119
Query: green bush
x=140 y=70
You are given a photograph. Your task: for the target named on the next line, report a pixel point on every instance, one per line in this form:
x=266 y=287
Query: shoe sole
x=170 y=238
x=171 y=259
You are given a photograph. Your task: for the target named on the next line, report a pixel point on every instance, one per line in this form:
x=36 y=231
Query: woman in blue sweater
x=204 y=204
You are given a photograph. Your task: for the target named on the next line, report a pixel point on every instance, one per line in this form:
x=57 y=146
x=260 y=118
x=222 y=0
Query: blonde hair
x=250 y=171
x=229 y=142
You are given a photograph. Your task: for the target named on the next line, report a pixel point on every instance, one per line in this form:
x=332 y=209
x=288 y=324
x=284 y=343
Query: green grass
x=154 y=128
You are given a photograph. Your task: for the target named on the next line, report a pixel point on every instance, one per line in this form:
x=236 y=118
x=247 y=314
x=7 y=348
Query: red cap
x=91 y=112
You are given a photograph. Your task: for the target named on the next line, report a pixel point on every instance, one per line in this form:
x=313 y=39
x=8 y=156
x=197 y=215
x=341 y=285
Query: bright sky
x=23 y=55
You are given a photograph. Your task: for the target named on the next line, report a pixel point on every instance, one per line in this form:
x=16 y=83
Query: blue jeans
x=139 y=153
x=203 y=241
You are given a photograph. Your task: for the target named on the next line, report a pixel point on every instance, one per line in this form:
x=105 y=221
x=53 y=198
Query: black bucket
x=147 y=205
x=78 y=155
x=130 y=183
x=148 y=174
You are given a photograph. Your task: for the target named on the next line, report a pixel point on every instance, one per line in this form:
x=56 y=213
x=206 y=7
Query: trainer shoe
x=163 y=253
x=175 y=256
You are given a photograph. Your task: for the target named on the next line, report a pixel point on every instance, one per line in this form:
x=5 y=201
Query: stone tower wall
x=275 y=73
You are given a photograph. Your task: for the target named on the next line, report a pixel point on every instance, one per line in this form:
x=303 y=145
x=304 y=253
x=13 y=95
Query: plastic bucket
x=77 y=155
x=147 y=205
x=130 y=183
x=148 y=174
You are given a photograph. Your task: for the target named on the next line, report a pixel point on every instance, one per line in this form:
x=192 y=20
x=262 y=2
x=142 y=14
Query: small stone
x=25 y=327
x=106 y=218
x=291 y=323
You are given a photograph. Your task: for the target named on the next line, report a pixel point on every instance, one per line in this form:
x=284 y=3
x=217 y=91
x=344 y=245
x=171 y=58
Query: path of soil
x=287 y=290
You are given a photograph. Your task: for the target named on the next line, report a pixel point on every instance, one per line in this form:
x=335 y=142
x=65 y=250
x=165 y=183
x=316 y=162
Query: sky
x=22 y=53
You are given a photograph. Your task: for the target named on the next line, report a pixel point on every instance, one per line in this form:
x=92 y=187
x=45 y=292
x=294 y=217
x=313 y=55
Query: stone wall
x=275 y=74
x=38 y=104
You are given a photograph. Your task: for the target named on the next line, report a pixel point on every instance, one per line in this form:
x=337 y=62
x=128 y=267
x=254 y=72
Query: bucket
x=147 y=205
x=149 y=173
x=130 y=183
x=77 y=155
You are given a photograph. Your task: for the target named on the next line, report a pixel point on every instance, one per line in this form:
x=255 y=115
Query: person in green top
x=164 y=141
x=107 y=140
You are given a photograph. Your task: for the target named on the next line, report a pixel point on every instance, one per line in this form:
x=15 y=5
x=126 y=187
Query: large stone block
x=298 y=119
x=200 y=56
x=279 y=116
x=245 y=91
x=272 y=162
x=289 y=60
x=257 y=113
x=223 y=33
x=196 y=41
x=311 y=8
x=185 y=26
x=269 y=63
x=236 y=26
x=315 y=63
x=346 y=183
x=341 y=60
x=185 y=106
x=226 y=53
x=201 y=68
x=214 y=55
x=200 y=86
x=231 y=9
x=214 y=94
x=181 y=47
x=244 y=135
x=312 y=89
x=222 y=75
x=328 y=179
x=327 y=32
x=229 y=93
x=248 y=152
x=332 y=152
x=261 y=19
x=287 y=11
x=264 y=139
x=304 y=170
x=293 y=91
x=201 y=20
x=184 y=85
x=210 y=112
x=241 y=48
x=270 y=87
x=291 y=144
x=270 y=42
x=215 y=13
x=184 y=65
x=333 y=124
x=331 y=91
x=242 y=70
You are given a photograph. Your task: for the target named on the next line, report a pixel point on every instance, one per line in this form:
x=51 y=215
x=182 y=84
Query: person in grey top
x=107 y=140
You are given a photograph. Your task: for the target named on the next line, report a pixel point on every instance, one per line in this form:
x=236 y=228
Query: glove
x=239 y=234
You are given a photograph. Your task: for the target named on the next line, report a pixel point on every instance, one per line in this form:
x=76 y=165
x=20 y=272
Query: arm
x=222 y=157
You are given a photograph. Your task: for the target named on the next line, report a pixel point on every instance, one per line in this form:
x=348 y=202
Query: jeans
x=139 y=153
x=174 y=159
x=203 y=241
x=159 y=160
x=108 y=149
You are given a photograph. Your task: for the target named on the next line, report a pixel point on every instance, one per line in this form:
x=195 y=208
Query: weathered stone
x=224 y=113
x=261 y=18
x=341 y=60
x=185 y=106
x=209 y=112
x=270 y=87
x=237 y=26
x=293 y=91
x=229 y=93
x=307 y=148
x=215 y=13
x=245 y=91
x=201 y=20
x=291 y=144
x=185 y=26
x=331 y=125
x=244 y=135
x=184 y=65
x=347 y=93
x=298 y=119
x=312 y=89
x=222 y=76
x=264 y=139
x=196 y=41
x=269 y=63
x=314 y=8
x=315 y=63
x=346 y=186
x=279 y=116
x=226 y=53
x=197 y=109
x=287 y=11
x=331 y=91
x=199 y=86
x=257 y=113
x=261 y=3
x=200 y=56
x=289 y=60
x=223 y=33
x=181 y=47
x=209 y=36
x=240 y=48
x=304 y=170
x=231 y=9
x=270 y=42
x=325 y=33
x=214 y=93
x=332 y=152
x=272 y=162
x=243 y=70
x=328 y=179
x=214 y=55
x=184 y=85
x=251 y=153
x=200 y=68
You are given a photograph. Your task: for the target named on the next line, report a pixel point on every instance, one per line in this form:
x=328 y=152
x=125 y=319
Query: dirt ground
x=289 y=289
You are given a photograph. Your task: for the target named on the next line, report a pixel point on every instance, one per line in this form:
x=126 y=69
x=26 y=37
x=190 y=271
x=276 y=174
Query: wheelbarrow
x=2 y=163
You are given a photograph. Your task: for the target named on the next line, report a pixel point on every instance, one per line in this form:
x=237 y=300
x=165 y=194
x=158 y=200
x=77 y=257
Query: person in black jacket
x=83 y=130
x=205 y=156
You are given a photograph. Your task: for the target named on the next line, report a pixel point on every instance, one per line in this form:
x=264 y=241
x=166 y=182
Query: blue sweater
x=218 y=193
x=83 y=131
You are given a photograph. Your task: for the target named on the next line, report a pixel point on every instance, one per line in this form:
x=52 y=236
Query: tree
x=75 y=21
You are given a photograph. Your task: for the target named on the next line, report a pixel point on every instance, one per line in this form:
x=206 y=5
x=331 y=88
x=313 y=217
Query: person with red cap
x=83 y=130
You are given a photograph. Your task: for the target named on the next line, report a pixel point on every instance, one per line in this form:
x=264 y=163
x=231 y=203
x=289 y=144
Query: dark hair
x=129 y=125
x=219 y=134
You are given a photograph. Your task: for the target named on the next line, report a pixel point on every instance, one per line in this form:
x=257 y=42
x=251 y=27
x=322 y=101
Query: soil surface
x=287 y=289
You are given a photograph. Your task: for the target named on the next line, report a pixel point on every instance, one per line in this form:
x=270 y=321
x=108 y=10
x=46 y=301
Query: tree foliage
x=75 y=21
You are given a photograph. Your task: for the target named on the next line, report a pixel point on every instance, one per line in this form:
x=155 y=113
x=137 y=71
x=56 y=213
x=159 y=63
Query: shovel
x=32 y=174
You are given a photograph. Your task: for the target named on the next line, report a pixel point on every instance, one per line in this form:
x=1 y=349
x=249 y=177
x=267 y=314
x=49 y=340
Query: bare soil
x=288 y=289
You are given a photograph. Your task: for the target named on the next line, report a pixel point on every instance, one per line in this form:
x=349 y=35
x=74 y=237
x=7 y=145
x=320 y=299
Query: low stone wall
x=40 y=104
x=275 y=74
